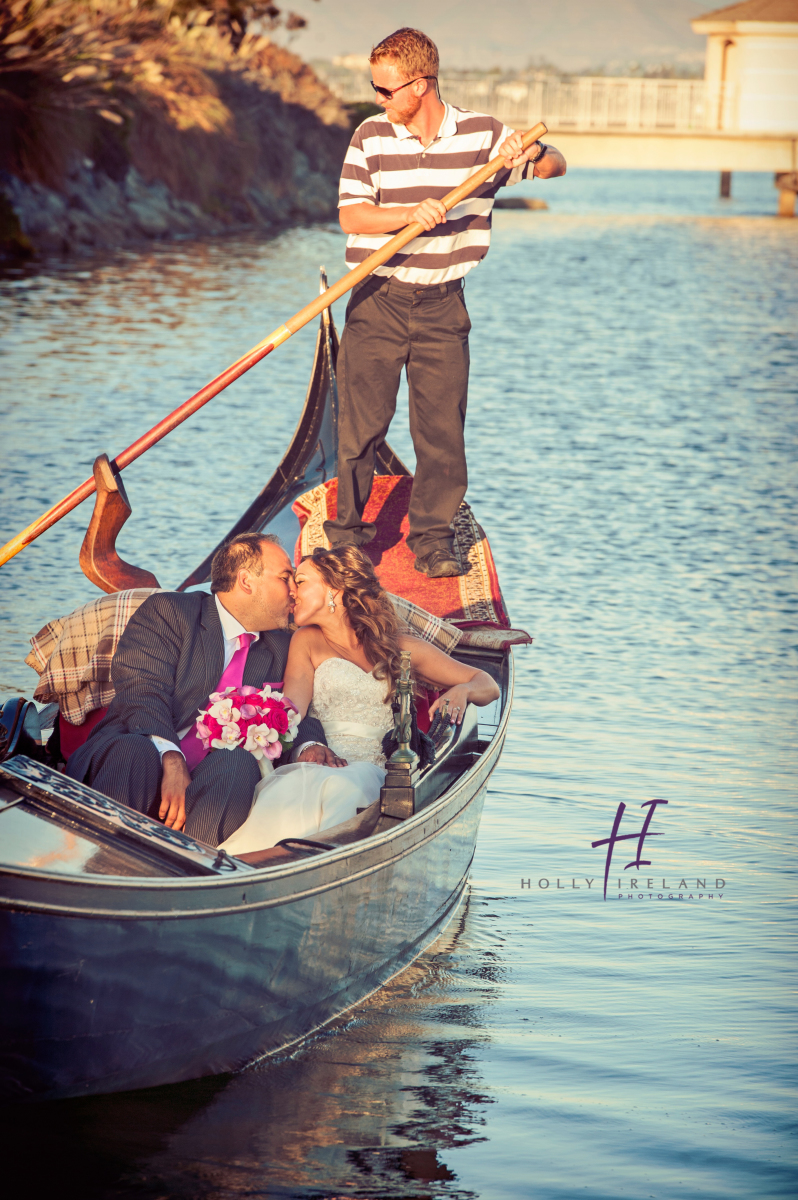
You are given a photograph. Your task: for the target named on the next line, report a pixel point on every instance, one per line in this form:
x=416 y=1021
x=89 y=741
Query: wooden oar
x=253 y=356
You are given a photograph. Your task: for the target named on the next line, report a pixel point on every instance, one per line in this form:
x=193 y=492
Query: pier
x=666 y=124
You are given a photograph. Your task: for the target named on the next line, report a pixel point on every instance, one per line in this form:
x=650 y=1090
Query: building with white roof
x=752 y=65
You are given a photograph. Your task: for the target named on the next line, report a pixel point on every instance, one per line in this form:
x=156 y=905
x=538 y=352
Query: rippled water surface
x=632 y=445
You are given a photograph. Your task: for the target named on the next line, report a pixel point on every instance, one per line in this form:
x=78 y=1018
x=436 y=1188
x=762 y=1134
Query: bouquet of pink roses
x=261 y=720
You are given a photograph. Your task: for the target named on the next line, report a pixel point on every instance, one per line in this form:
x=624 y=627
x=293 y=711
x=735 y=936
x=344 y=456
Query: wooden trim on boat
x=99 y=560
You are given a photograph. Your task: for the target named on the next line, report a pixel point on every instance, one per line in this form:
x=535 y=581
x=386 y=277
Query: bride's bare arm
x=459 y=683
x=298 y=683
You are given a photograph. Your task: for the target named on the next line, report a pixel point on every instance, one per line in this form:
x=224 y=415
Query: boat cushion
x=70 y=737
x=472 y=597
x=488 y=637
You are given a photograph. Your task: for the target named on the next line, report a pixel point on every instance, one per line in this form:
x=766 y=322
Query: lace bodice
x=342 y=692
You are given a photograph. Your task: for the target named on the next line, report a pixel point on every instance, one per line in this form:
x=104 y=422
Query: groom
x=177 y=649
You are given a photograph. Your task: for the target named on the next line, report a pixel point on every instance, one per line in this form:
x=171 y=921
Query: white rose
x=223 y=711
x=231 y=737
x=258 y=738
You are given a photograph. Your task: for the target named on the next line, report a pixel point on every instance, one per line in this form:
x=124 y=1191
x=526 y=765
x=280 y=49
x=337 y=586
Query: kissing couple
x=339 y=669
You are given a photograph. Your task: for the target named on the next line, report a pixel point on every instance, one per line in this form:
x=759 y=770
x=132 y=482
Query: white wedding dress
x=302 y=799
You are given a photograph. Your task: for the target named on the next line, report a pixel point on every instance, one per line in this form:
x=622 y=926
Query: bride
x=343 y=664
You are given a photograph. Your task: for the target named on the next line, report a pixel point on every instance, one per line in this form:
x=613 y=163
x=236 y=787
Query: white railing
x=590 y=103
x=581 y=104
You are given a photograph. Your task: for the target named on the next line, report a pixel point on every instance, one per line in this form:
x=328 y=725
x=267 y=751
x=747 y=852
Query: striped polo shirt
x=387 y=165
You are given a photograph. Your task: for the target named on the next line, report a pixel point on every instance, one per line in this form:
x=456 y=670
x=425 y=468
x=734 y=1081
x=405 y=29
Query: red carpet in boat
x=72 y=736
x=475 y=596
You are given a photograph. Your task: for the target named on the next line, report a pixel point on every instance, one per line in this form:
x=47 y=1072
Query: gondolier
x=411 y=312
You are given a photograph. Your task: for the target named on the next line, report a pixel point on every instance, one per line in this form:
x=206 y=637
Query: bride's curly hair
x=372 y=616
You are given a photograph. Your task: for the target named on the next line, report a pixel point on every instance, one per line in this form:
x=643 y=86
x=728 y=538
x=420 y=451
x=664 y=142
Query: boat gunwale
x=244 y=906
x=484 y=767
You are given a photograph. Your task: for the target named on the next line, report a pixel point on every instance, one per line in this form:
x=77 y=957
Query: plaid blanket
x=72 y=655
x=432 y=629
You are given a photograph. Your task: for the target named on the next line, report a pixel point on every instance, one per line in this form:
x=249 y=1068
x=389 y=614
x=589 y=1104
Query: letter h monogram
x=614 y=837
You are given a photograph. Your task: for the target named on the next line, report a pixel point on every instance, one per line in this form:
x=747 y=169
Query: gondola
x=134 y=955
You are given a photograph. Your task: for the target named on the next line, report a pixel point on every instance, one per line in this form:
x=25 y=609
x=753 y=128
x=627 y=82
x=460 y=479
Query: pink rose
x=278 y=718
x=260 y=718
x=213 y=726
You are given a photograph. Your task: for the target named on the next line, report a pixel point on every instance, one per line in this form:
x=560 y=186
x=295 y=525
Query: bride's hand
x=458 y=697
x=322 y=755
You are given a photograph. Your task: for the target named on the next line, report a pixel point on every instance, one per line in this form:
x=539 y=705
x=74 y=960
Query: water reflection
x=367 y=1109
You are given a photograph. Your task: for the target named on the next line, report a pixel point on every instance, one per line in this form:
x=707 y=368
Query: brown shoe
x=439 y=564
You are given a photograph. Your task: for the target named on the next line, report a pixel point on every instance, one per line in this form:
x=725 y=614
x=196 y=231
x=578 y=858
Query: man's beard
x=279 y=619
x=407 y=116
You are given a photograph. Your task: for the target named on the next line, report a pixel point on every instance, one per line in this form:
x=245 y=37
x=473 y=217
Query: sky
x=572 y=34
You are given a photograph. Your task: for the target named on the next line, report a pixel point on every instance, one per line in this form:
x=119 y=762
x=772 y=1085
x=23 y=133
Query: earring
x=330 y=600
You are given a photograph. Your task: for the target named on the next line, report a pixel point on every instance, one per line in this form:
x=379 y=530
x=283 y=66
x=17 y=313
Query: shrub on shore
x=145 y=94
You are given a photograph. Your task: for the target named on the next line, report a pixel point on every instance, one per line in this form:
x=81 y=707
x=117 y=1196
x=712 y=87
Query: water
x=632 y=441
x=658 y=193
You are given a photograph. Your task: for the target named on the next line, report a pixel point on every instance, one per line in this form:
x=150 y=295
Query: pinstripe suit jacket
x=168 y=661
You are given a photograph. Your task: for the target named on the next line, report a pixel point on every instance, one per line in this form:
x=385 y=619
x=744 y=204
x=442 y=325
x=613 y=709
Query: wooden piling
x=787 y=183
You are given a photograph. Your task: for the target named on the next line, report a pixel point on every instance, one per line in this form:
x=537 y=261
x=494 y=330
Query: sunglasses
x=389 y=93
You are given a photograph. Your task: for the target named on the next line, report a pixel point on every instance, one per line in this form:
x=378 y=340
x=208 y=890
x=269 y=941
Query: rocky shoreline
x=91 y=211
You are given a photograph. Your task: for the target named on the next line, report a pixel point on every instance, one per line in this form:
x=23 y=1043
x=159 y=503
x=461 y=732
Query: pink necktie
x=232 y=676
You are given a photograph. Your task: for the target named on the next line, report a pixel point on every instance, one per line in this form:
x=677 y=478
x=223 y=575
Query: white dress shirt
x=231 y=631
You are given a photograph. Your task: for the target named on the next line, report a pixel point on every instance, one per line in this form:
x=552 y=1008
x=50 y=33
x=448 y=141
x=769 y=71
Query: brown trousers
x=390 y=325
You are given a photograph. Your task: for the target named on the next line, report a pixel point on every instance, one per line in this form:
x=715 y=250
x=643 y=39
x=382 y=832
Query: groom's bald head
x=244 y=551
x=253 y=578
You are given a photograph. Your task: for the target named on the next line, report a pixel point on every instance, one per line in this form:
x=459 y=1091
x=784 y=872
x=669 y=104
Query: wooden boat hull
x=119 y=983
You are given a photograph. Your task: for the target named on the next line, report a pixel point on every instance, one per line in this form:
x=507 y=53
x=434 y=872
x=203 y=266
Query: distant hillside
x=574 y=34
x=121 y=121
